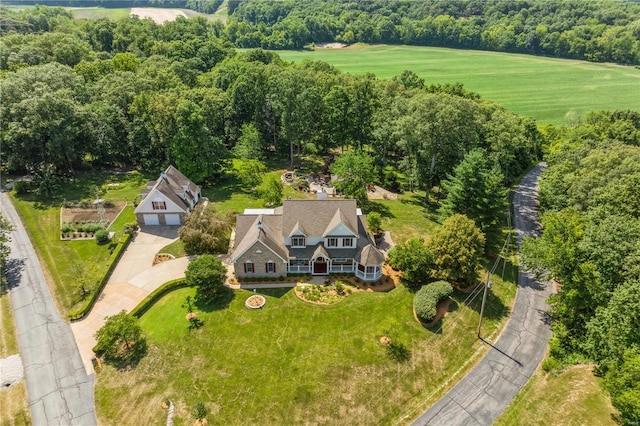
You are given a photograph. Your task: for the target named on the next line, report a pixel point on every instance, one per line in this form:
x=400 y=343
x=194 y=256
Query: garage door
x=151 y=219
x=172 y=219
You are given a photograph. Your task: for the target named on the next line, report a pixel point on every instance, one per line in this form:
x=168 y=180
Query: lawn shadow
x=222 y=301
x=430 y=210
x=494 y=308
x=373 y=206
x=274 y=292
x=129 y=359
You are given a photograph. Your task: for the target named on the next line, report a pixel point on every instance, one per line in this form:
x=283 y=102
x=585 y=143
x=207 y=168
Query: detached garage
x=151 y=219
x=168 y=200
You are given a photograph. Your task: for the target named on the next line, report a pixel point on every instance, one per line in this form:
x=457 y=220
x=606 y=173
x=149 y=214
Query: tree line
x=599 y=31
x=590 y=245
x=135 y=94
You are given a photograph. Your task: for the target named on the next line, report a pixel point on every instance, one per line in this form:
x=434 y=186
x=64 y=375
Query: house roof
x=313 y=218
x=248 y=232
x=174 y=185
x=370 y=256
x=318 y=216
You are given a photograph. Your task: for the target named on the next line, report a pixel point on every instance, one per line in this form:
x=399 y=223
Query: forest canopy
x=599 y=31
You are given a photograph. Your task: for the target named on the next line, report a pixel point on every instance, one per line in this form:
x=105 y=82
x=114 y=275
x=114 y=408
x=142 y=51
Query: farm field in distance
x=553 y=91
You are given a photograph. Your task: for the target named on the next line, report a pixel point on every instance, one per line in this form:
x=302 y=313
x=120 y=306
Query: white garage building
x=168 y=200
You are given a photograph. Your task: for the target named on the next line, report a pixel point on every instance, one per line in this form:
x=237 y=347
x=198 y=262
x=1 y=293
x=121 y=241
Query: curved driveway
x=60 y=392
x=481 y=396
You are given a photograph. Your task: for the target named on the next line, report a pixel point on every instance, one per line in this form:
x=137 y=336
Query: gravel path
x=480 y=397
x=60 y=392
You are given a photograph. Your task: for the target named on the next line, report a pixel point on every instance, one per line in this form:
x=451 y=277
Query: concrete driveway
x=131 y=281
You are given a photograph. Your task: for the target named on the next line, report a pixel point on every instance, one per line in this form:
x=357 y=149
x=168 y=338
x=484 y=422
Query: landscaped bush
x=130 y=228
x=102 y=236
x=66 y=228
x=427 y=298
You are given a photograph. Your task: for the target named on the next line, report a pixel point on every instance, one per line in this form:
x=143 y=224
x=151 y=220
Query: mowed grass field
x=548 y=89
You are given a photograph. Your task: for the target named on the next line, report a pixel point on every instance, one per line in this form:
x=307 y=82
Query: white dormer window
x=158 y=205
x=298 y=242
x=332 y=242
x=347 y=242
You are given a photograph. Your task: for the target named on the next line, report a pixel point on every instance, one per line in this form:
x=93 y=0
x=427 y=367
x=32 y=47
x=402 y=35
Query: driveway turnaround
x=487 y=390
x=133 y=278
x=60 y=391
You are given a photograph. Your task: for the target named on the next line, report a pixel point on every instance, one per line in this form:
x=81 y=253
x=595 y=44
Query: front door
x=320 y=266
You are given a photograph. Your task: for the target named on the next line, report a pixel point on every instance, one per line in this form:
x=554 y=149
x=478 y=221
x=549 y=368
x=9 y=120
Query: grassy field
x=574 y=397
x=67 y=264
x=548 y=89
x=13 y=401
x=293 y=362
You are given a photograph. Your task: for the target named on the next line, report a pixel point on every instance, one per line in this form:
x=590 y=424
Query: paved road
x=60 y=392
x=485 y=392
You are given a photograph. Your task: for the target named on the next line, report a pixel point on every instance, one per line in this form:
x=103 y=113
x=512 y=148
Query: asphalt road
x=60 y=392
x=481 y=396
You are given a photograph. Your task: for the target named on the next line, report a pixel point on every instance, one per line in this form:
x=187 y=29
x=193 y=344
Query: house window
x=270 y=267
x=332 y=242
x=159 y=205
x=298 y=242
x=248 y=268
x=340 y=260
x=371 y=269
x=347 y=242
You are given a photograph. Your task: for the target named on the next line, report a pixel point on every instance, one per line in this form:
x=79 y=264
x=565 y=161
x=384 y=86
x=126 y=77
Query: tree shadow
x=129 y=358
x=13 y=272
x=222 y=300
x=373 y=206
x=274 y=292
x=494 y=308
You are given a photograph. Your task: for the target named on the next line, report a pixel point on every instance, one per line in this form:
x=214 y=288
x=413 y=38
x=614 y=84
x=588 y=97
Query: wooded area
x=599 y=31
x=591 y=246
x=79 y=95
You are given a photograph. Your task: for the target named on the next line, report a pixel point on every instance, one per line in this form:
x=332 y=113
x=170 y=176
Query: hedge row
x=88 y=304
x=427 y=298
x=155 y=295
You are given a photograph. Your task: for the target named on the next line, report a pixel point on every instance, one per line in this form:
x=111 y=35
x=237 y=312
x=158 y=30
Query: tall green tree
x=355 y=172
x=415 y=260
x=271 y=191
x=457 y=249
x=475 y=189
x=121 y=339
x=208 y=275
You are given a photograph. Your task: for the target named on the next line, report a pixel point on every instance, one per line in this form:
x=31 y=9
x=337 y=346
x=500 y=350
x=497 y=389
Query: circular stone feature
x=255 y=302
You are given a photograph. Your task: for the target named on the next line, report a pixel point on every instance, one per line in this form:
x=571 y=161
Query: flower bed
x=324 y=294
x=255 y=301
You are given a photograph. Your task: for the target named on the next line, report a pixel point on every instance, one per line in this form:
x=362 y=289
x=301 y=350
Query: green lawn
x=14 y=409
x=99 y=12
x=545 y=88
x=294 y=362
x=573 y=397
x=68 y=263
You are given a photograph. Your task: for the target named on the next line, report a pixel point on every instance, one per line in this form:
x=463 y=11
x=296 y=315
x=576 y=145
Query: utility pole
x=487 y=286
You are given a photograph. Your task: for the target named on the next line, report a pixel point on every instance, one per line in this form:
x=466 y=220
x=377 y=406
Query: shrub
x=102 y=236
x=93 y=227
x=427 y=298
x=130 y=228
x=66 y=228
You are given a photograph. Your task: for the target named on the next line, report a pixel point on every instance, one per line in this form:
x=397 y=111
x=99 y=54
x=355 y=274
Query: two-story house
x=306 y=236
x=167 y=200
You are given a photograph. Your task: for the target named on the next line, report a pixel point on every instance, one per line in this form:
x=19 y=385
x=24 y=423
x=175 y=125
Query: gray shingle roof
x=314 y=218
x=171 y=183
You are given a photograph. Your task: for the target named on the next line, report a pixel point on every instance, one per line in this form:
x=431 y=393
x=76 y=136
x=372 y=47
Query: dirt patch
x=159 y=16
x=78 y=214
x=379 y=193
x=162 y=257
x=331 y=45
